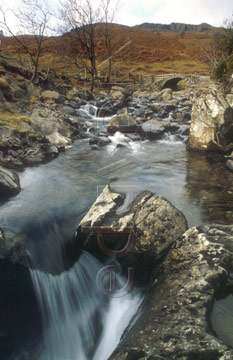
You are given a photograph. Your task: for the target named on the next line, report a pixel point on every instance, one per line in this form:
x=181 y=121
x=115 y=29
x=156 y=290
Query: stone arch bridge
x=164 y=81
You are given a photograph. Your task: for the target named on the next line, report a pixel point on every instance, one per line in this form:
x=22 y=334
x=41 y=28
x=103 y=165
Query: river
x=79 y=323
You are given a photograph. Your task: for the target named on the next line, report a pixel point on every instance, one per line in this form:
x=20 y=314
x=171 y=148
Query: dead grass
x=147 y=53
x=11 y=119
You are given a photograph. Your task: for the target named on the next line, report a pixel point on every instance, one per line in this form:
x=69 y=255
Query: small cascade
x=176 y=138
x=121 y=140
x=81 y=321
x=90 y=109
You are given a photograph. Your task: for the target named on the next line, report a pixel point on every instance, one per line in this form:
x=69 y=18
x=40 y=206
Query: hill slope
x=176 y=27
x=134 y=50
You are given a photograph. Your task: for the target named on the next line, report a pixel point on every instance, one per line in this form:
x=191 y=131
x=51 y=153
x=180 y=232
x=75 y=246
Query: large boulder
x=120 y=93
x=9 y=183
x=175 y=317
x=212 y=121
x=163 y=95
x=157 y=224
x=151 y=223
x=123 y=123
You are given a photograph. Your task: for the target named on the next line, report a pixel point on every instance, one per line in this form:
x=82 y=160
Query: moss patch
x=8 y=118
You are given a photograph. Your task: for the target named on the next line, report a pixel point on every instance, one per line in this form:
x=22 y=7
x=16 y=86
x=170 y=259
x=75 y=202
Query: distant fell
x=176 y=27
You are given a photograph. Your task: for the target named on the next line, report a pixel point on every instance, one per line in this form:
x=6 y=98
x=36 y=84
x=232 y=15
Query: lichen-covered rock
x=156 y=226
x=51 y=95
x=105 y=203
x=174 y=322
x=122 y=120
x=212 y=121
x=9 y=183
x=124 y=123
x=151 y=222
x=119 y=93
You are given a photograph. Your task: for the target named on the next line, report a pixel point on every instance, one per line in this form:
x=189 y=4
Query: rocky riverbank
x=188 y=268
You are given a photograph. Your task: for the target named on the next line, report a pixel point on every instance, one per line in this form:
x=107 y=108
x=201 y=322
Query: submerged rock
x=174 y=323
x=9 y=183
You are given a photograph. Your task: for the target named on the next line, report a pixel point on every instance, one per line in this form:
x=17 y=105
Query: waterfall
x=80 y=321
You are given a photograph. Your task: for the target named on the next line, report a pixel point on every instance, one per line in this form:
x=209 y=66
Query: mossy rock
x=13 y=120
x=5 y=89
x=181 y=85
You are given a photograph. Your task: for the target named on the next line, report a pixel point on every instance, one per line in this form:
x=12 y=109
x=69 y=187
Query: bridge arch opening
x=172 y=84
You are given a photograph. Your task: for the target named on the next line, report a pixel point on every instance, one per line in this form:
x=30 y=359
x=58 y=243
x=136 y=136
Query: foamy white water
x=80 y=321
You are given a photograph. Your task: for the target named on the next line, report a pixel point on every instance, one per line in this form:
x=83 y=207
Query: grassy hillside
x=146 y=52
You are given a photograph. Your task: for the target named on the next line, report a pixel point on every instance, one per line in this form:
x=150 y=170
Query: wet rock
x=106 y=108
x=120 y=93
x=100 y=141
x=13 y=248
x=82 y=114
x=212 y=121
x=69 y=110
x=140 y=112
x=150 y=221
x=229 y=164
x=154 y=129
x=122 y=120
x=174 y=323
x=157 y=225
x=73 y=103
x=9 y=183
x=41 y=153
x=123 y=123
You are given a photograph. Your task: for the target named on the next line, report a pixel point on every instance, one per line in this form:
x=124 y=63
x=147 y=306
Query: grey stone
x=9 y=183
x=122 y=120
x=174 y=322
x=229 y=164
x=12 y=248
x=155 y=223
x=52 y=95
x=211 y=122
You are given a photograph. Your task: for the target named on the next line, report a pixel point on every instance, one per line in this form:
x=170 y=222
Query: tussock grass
x=11 y=119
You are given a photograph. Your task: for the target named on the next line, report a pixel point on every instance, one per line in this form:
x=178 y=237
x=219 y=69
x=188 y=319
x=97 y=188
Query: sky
x=135 y=12
x=213 y=12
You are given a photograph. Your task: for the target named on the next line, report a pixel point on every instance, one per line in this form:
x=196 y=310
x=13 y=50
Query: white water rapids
x=80 y=321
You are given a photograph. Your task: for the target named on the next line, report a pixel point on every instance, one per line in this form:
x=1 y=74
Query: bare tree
x=34 y=18
x=81 y=18
x=221 y=47
x=109 y=9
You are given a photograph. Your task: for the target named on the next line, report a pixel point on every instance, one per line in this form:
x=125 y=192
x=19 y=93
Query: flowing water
x=80 y=322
